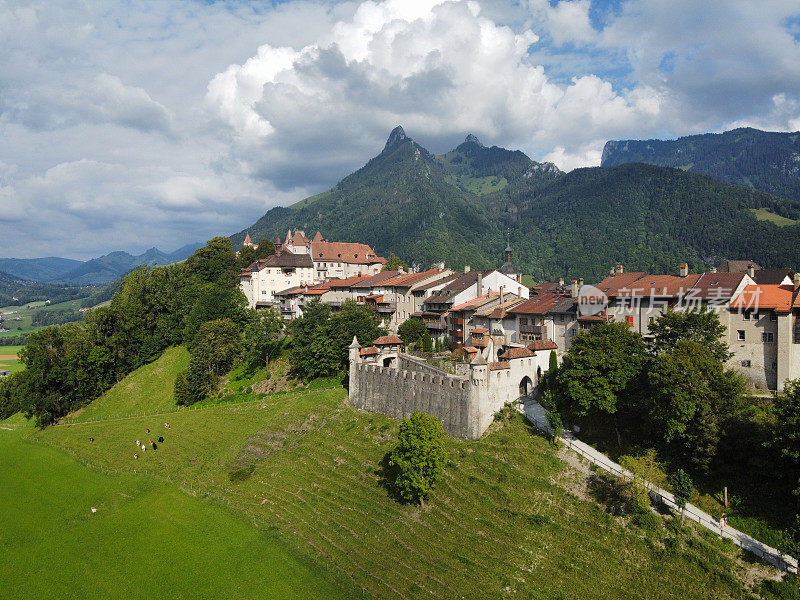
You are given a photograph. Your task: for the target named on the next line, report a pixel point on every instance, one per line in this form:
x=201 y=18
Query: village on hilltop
x=499 y=323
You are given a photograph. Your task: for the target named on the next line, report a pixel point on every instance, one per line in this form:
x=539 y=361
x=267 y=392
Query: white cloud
x=137 y=124
x=439 y=68
x=567 y=21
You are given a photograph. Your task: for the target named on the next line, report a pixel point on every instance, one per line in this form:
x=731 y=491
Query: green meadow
x=147 y=539
x=9 y=360
x=286 y=491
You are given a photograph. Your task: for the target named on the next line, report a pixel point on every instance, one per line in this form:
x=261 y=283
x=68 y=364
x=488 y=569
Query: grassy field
x=9 y=360
x=147 y=390
x=19 y=319
x=508 y=520
x=764 y=214
x=146 y=540
x=300 y=471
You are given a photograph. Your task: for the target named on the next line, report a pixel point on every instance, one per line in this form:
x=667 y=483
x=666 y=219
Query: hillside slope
x=149 y=389
x=457 y=207
x=761 y=160
x=509 y=519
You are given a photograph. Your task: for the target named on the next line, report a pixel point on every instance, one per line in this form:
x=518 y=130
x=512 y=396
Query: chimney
x=574 y=288
x=560 y=282
x=501 y=295
x=751 y=270
x=620 y=269
x=797 y=281
x=684 y=270
x=466 y=269
x=480 y=284
x=580 y=282
x=713 y=269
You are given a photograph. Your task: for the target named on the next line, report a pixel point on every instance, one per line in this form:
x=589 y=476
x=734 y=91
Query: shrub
x=419 y=457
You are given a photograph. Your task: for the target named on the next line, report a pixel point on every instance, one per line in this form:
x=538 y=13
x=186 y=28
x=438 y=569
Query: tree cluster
x=674 y=392
x=70 y=365
x=320 y=338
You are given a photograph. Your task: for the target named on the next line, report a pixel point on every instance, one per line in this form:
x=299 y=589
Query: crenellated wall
x=465 y=404
x=399 y=392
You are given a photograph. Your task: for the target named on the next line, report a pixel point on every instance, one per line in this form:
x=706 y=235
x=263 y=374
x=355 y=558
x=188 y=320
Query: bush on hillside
x=419 y=457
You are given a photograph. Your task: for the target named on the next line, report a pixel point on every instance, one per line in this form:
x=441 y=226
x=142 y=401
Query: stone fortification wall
x=419 y=365
x=399 y=392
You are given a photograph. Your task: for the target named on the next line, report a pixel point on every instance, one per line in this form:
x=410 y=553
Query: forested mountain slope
x=762 y=160
x=428 y=208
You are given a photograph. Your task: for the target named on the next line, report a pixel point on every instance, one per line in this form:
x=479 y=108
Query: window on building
x=523 y=321
x=774 y=366
x=651 y=319
x=746 y=315
x=746 y=363
x=740 y=335
x=773 y=316
x=767 y=336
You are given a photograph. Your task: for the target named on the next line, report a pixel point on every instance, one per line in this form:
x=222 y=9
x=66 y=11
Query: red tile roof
x=281 y=259
x=773 y=297
x=660 y=286
x=346 y=252
x=373 y=280
x=716 y=286
x=540 y=304
x=501 y=310
x=611 y=284
x=346 y=283
x=369 y=351
x=543 y=345
x=388 y=340
x=480 y=330
x=511 y=353
x=409 y=279
x=498 y=366
x=471 y=349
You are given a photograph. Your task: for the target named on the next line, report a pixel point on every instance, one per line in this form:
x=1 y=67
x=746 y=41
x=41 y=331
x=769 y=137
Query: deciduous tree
x=682 y=490
x=419 y=457
x=701 y=326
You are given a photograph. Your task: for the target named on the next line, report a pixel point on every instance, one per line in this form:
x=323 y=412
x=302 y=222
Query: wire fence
x=784 y=562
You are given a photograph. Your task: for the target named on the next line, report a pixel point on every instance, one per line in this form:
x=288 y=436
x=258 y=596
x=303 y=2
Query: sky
x=127 y=125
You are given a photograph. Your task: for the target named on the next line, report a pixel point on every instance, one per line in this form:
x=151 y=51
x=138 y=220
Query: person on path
x=723 y=521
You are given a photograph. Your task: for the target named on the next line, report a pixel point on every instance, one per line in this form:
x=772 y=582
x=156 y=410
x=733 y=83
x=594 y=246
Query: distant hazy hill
x=92 y=272
x=761 y=160
x=16 y=291
x=38 y=269
x=457 y=207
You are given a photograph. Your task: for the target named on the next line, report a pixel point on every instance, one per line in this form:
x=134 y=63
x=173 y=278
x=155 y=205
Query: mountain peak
x=471 y=138
x=395 y=137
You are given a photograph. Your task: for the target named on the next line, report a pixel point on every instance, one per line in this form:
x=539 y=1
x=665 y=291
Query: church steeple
x=508 y=267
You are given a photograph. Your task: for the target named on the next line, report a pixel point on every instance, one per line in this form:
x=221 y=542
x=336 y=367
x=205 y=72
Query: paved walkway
x=536 y=415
